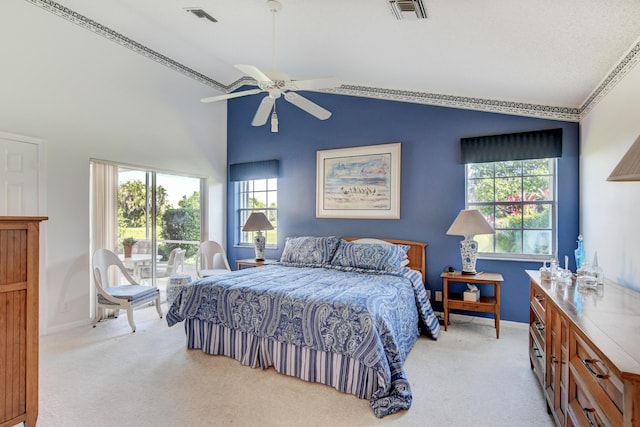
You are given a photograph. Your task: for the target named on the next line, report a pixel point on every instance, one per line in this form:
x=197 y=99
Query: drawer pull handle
x=539 y=326
x=537 y=352
x=555 y=360
x=587 y=363
x=587 y=413
x=539 y=298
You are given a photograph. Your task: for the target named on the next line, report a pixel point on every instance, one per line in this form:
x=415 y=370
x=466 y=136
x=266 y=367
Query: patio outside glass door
x=162 y=213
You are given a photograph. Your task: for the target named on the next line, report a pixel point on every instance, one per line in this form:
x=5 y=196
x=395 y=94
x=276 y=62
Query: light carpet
x=108 y=376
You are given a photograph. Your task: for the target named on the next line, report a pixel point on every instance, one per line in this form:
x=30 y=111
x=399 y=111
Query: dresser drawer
x=537 y=354
x=595 y=384
x=538 y=302
x=537 y=327
x=582 y=413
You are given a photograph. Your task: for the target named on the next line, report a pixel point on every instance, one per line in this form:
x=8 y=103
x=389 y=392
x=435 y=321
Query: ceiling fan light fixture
x=274 y=120
x=275 y=94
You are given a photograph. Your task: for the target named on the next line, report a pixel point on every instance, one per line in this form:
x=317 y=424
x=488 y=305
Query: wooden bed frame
x=417 y=253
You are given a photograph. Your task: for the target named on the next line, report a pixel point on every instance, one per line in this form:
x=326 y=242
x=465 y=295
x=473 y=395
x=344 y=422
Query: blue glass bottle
x=579 y=253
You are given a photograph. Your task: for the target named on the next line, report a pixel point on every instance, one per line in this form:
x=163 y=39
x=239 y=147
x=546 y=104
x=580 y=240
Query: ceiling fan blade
x=230 y=95
x=264 y=109
x=308 y=106
x=254 y=72
x=313 y=84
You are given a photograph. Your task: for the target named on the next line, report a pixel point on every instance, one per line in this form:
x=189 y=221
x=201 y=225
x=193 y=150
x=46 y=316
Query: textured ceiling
x=548 y=55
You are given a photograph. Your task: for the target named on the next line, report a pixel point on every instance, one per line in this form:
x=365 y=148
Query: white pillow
x=370 y=241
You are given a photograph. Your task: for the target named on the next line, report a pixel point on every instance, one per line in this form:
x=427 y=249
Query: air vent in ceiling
x=408 y=9
x=200 y=13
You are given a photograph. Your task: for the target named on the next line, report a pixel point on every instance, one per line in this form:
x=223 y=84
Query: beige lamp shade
x=469 y=223
x=257 y=222
x=629 y=167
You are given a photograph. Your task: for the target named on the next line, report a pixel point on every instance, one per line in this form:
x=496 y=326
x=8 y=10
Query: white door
x=18 y=177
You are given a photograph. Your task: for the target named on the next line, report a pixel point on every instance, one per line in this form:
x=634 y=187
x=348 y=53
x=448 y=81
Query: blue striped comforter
x=372 y=318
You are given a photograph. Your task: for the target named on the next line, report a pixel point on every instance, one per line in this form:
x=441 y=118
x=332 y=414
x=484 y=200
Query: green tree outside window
x=518 y=200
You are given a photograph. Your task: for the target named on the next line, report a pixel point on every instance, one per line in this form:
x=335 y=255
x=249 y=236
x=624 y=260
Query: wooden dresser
x=584 y=346
x=19 y=267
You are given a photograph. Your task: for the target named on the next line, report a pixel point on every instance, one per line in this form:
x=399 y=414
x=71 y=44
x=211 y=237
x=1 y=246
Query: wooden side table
x=486 y=304
x=251 y=262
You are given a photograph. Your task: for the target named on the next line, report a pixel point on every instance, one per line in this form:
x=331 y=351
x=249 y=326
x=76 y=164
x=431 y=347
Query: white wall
x=88 y=97
x=610 y=210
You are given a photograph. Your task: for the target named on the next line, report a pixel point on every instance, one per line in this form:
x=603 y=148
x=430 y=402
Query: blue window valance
x=540 y=144
x=254 y=170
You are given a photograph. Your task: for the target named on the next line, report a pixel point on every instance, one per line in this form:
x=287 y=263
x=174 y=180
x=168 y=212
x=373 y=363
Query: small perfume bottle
x=579 y=253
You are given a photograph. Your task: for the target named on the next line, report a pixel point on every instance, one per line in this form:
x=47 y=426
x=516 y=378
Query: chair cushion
x=132 y=292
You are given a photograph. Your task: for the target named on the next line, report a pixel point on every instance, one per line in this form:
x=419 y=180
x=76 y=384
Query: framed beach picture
x=359 y=182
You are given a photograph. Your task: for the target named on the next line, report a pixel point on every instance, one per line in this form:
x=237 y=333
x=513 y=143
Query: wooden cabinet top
x=609 y=316
x=23 y=218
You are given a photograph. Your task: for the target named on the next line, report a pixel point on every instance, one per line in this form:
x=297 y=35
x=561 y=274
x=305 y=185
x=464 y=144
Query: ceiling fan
x=278 y=84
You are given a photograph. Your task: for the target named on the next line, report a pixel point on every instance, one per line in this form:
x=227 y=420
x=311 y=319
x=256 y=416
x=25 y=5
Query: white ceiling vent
x=200 y=13
x=408 y=9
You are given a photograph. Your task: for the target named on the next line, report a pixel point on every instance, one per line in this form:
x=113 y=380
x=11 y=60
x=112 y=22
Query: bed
x=338 y=311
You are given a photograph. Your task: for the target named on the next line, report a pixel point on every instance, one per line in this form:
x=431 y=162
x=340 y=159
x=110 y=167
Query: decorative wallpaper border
x=108 y=33
x=480 y=104
x=627 y=63
x=468 y=103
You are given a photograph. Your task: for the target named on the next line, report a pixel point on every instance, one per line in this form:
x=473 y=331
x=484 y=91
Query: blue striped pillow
x=383 y=257
x=309 y=250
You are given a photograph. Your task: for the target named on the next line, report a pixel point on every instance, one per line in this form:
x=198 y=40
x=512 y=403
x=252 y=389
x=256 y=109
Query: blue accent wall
x=432 y=181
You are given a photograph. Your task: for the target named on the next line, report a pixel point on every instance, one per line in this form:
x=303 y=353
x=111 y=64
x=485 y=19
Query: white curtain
x=104 y=212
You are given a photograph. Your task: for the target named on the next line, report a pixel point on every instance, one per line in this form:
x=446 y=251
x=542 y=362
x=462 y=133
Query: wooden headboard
x=417 y=254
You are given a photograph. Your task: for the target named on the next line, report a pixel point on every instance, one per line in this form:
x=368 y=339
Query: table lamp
x=257 y=222
x=469 y=223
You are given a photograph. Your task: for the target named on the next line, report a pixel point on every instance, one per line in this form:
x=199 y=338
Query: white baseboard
x=489 y=321
x=66 y=327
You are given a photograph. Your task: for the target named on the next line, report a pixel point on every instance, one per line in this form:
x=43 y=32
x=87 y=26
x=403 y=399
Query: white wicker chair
x=211 y=259
x=173 y=265
x=119 y=297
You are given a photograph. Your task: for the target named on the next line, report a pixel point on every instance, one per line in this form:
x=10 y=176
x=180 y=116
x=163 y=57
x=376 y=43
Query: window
x=518 y=198
x=256 y=189
x=257 y=195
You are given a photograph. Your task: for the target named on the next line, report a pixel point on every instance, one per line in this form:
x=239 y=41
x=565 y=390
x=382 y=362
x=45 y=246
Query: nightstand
x=486 y=304
x=251 y=262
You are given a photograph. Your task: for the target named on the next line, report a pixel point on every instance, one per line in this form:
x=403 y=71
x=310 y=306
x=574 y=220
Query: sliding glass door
x=151 y=219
